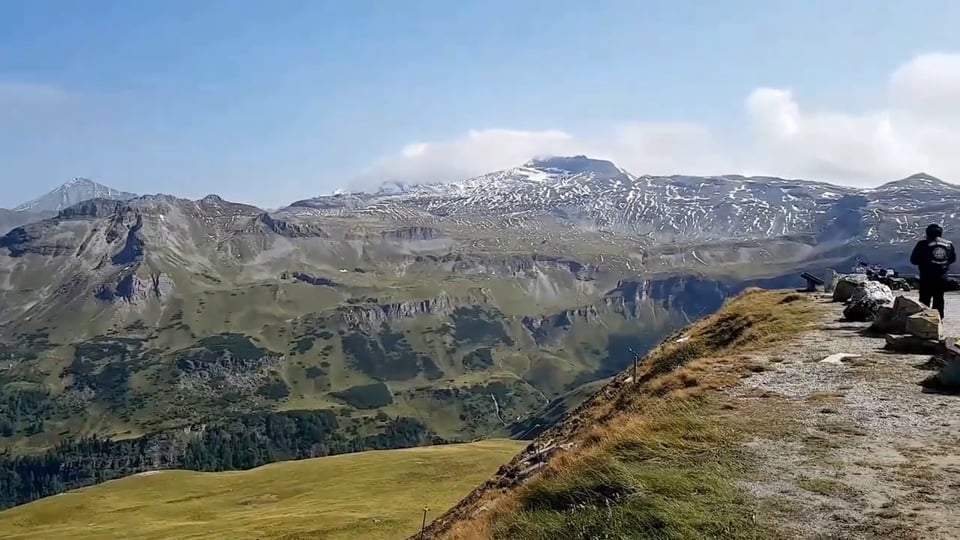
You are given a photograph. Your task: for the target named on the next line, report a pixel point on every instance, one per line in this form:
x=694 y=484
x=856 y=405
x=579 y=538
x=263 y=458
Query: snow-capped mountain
x=73 y=192
x=598 y=195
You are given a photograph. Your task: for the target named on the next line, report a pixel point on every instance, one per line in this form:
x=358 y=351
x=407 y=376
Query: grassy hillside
x=221 y=358
x=364 y=495
x=659 y=457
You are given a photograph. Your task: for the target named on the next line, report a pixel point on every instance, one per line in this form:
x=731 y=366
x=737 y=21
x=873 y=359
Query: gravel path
x=874 y=455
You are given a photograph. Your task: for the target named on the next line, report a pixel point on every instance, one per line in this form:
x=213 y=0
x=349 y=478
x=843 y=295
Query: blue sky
x=270 y=101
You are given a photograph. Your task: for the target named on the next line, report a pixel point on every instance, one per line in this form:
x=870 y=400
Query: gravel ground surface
x=873 y=455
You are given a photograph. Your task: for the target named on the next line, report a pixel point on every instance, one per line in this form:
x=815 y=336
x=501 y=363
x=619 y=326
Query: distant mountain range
x=596 y=194
x=461 y=306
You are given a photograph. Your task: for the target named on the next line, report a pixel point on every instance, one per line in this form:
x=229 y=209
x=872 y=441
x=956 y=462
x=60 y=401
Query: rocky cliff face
x=370 y=315
x=288 y=227
x=136 y=291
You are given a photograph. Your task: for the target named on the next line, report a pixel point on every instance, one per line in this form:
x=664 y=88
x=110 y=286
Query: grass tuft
x=667 y=478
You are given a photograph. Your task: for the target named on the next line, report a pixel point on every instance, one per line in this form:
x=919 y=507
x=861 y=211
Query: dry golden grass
x=365 y=495
x=658 y=457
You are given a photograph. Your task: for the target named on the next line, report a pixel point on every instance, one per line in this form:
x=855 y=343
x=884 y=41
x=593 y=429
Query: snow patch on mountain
x=598 y=195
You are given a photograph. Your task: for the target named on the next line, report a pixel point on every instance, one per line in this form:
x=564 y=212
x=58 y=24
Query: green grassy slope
x=364 y=495
x=659 y=457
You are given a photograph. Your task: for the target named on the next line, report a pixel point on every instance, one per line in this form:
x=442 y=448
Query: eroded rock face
x=370 y=315
x=549 y=329
x=289 y=228
x=409 y=234
x=135 y=290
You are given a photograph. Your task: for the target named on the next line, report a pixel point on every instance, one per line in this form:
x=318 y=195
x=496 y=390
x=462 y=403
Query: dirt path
x=872 y=454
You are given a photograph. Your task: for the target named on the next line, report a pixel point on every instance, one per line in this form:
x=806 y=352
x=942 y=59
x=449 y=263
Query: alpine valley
x=145 y=332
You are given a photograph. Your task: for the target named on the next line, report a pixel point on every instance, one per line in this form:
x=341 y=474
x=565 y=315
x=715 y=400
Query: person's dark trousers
x=931 y=292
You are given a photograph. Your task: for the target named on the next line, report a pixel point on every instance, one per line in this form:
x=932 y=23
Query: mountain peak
x=72 y=192
x=578 y=164
x=79 y=182
x=212 y=198
x=920 y=180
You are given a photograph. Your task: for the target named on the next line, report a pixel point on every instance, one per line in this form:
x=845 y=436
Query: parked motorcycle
x=888 y=276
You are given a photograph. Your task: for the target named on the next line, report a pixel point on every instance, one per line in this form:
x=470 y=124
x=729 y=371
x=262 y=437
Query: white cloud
x=917 y=130
x=475 y=153
x=928 y=86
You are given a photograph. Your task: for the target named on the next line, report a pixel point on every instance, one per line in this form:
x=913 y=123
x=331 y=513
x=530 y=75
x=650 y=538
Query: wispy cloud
x=16 y=93
x=918 y=129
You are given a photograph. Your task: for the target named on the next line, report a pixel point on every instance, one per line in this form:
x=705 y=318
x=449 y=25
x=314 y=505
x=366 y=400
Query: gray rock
x=904 y=307
x=846 y=285
x=925 y=325
x=949 y=376
x=884 y=321
x=909 y=344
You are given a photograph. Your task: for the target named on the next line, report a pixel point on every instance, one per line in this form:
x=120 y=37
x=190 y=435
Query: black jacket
x=933 y=257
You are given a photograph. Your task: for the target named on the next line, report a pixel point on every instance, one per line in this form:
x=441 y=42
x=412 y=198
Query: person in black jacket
x=933 y=257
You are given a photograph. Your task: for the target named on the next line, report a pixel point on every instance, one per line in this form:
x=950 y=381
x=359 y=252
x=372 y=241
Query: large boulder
x=893 y=320
x=925 y=325
x=846 y=284
x=866 y=300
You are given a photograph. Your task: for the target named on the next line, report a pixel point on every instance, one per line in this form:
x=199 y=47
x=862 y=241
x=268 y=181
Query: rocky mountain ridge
x=597 y=196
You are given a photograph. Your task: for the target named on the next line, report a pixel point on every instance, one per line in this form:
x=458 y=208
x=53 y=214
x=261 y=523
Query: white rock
x=866 y=301
x=873 y=290
x=846 y=285
x=838 y=358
